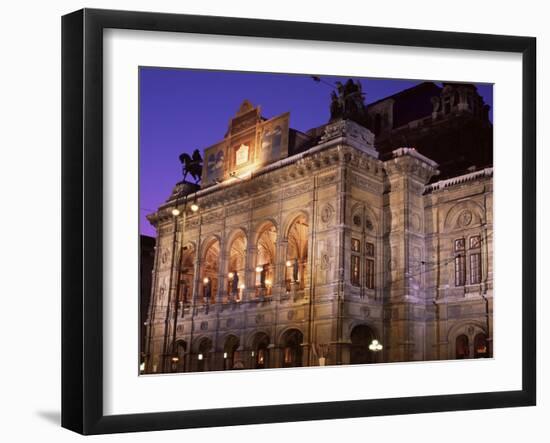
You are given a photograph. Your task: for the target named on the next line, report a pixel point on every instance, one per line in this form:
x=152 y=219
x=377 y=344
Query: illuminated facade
x=307 y=249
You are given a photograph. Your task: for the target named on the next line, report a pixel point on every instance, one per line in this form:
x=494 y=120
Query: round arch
x=361 y=336
x=451 y=218
x=291 y=344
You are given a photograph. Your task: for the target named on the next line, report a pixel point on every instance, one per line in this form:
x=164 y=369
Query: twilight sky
x=181 y=110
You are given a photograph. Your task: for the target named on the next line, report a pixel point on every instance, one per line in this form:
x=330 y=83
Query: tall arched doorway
x=481 y=346
x=297 y=253
x=179 y=363
x=291 y=344
x=236 y=267
x=229 y=352
x=210 y=271
x=462 y=347
x=260 y=349
x=204 y=355
x=361 y=337
x=266 y=247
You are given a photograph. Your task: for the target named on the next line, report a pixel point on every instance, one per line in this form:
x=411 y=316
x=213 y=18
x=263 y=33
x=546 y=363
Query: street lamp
x=375 y=346
x=175 y=212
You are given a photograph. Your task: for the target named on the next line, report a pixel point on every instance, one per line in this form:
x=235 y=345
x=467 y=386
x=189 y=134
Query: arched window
x=186 y=275
x=210 y=272
x=361 y=337
x=292 y=348
x=297 y=255
x=265 y=259
x=236 y=269
x=462 y=347
x=230 y=352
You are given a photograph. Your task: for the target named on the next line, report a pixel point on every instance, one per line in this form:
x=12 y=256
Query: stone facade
x=306 y=259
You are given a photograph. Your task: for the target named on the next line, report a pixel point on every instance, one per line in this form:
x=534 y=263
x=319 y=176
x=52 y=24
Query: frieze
x=264 y=200
x=297 y=190
x=364 y=183
x=326 y=179
x=237 y=209
x=213 y=216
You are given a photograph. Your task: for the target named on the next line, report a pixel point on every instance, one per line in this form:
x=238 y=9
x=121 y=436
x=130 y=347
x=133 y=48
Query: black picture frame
x=82 y=216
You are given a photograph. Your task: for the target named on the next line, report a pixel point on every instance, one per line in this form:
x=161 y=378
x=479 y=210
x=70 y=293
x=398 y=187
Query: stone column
x=408 y=173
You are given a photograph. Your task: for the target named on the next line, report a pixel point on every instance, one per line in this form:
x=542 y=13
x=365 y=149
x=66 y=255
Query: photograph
x=304 y=220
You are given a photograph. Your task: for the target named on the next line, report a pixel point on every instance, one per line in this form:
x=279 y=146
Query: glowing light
x=194 y=207
x=242 y=286
x=142 y=367
x=289 y=263
x=268 y=282
x=375 y=346
x=200 y=356
x=205 y=280
x=252 y=353
x=225 y=355
x=175 y=359
x=175 y=212
x=259 y=268
x=231 y=275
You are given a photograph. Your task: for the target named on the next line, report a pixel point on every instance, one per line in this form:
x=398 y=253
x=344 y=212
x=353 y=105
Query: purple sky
x=181 y=110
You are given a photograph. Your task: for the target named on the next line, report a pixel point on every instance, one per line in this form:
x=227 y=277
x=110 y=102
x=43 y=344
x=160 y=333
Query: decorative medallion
x=180 y=329
x=164 y=256
x=368 y=224
x=465 y=218
x=325 y=261
x=204 y=326
x=357 y=220
x=416 y=223
x=326 y=213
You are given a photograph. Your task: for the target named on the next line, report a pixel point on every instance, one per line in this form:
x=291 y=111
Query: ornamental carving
x=204 y=326
x=290 y=315
x=465 y=218
x=325 y=261
x=357 y=220
x=326 y=213
x=368 y=224
x=237 y=209
x=326 y=179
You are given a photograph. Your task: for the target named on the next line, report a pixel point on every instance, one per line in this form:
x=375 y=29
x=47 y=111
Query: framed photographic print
x=311 y=221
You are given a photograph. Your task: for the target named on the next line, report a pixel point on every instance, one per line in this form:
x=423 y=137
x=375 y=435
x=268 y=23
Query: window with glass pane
x=460 y=270
x=475 y=242
x=369 y=249
x=355 y=270
x=475 y=268
x=369 y=273
x=355 y=245
x=460 y=244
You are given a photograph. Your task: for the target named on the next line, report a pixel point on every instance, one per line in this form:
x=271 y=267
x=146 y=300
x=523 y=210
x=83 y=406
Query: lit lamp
x=225 y=355
x=231 y=275
x=242 y=286
x=259 y=269
x=375 y=346
x=175 y=212
x=175 y=359
x=194 y=207
x=268 y=282
x=205 y=280
x=200 y=356
x=288 y=263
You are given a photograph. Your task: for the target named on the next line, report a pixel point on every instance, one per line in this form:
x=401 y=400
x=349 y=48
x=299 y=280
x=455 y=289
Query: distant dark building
x=449 y=125
x=147 y=262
